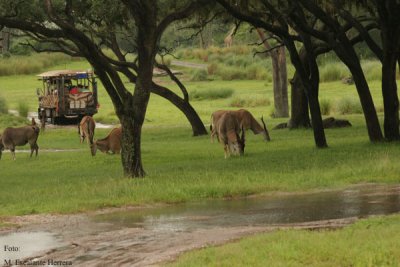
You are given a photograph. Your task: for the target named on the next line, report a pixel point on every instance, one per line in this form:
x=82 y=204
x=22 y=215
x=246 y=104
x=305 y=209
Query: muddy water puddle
x=358 y=201
x=17 y=246
x=140 y=237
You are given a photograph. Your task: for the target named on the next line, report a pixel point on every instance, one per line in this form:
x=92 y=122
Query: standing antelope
x=245 y=119
x=86 y=130
x=228 y=128
x=20 y=136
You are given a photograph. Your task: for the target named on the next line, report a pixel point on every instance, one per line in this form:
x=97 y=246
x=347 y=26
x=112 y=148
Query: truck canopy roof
x=74 y=74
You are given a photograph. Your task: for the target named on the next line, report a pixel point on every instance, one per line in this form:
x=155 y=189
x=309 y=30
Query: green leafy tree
x=85 y=28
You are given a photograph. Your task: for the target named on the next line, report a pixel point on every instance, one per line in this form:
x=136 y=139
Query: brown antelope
x=245 y=119
x=86 y=130
x=20 y=136
x=111 y=144
x=228 y=129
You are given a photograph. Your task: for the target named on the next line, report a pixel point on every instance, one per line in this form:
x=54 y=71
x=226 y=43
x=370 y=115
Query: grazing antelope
x=111 y=144
x=228 y=129
x=20 y=136
x=86 y=130
x=245 y=119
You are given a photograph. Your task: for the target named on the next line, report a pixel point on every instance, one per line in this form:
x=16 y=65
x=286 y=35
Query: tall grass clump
x=211 y=94
x=199 y=75
x=231 y=73
x=348 y=105
x=333 y=71
x=3 y=105
x=20 y=65
x=326 y=106
x=372 y=70
x=249 y=101
x=9 y=120
x=23 y=109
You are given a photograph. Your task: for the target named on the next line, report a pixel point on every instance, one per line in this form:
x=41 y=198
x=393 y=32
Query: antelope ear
x=33 y=121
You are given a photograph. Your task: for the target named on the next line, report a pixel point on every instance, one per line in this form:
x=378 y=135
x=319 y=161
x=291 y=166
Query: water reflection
x=358 y=201
x=25 y=244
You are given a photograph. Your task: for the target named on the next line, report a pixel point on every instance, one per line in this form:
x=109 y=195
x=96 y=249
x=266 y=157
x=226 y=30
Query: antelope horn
x=265 y=129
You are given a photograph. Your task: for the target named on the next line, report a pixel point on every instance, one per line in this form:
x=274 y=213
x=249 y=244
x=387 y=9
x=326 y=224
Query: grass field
x=185 y=168
x=369 y=242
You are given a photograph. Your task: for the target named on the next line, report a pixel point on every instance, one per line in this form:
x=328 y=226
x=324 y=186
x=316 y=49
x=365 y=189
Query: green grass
x=180 y=167
x=20 y=65
x=369 y=242
x=210 y=94
x=184 y=168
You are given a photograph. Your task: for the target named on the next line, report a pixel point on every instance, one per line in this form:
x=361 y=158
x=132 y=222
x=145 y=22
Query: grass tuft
x=249 y=101
x=348 y=105
x=209 y=94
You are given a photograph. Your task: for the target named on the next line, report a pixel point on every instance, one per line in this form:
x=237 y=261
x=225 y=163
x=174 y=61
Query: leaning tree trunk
x=348 y=56
x=391 y=43
x=309 y=75
x=198 y=127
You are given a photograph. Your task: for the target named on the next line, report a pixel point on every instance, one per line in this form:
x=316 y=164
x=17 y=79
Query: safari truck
x=67 y=95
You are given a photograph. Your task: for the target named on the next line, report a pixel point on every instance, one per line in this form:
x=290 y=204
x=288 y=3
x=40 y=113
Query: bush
x=9 y=120
x=199 y=75
x=333 y=71
x=23 y=109
x=30 y=65
x=372 y=70
x=249 y=101
x=3 y=106
x=326 y=106
x=257 y=72
x=348 y=106
x=211 y=94
x=231 y=73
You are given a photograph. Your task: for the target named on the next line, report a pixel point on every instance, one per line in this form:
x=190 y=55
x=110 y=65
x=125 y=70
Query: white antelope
x=245 y=119
x=228 y=129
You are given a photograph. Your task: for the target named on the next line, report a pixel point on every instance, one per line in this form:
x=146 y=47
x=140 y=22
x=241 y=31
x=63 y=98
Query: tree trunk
x=283 y=81
x=308 y=72
x=390 y=43
x=299 y=116
x=279 y=77
x=132 y=128
x=198 y=127
x=348 y=56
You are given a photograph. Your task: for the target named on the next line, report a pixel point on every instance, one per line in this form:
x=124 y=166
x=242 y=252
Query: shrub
x=23 y=109
x=257 y=72
x=9 y=120
x=348 y=106
x=326 y=106
x=28 y=65
x=372 y=70
x=199 y=75
x=231 y=73
x=211 y=94
x=212 y=68
x=249 y=101
x=3 y=105
x=333 y=71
